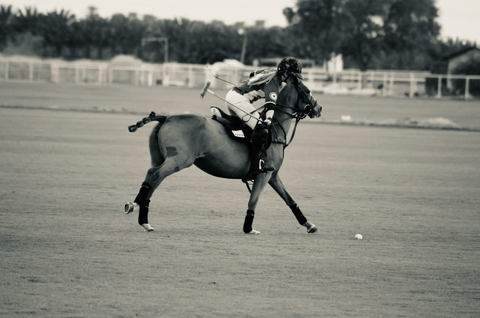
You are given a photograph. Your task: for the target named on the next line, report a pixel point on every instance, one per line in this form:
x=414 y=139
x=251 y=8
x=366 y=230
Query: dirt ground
x=68 y=250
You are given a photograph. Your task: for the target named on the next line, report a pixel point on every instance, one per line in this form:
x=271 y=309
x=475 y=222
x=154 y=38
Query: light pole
x=162 y=39
x=243 y=32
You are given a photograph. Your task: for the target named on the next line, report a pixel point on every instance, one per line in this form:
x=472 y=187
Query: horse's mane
x=261 y=77
x=283 y=92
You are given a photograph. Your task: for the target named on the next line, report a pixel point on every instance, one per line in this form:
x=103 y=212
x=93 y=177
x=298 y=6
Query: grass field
x=68 y=250
x=143 y=100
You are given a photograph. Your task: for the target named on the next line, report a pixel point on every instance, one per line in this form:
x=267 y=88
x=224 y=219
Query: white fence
x=449 y=79
x=386 y=83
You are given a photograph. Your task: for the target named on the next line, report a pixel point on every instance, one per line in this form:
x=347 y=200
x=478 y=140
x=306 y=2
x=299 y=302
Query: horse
x=180 y=141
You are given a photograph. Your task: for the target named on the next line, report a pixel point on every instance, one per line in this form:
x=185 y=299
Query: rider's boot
x=260 y=163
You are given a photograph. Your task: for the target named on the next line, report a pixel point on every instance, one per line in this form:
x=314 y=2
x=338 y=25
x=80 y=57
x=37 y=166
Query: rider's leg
x=241 y=106
x=259 y=144
x=260 y=162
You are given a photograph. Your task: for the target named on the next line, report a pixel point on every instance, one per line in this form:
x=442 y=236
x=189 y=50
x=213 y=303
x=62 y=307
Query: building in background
x=449 y=63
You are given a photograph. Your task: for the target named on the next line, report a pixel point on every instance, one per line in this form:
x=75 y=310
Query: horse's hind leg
x=277 y=184
x=155 y=176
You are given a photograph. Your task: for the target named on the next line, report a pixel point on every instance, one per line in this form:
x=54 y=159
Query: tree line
x=370 y=34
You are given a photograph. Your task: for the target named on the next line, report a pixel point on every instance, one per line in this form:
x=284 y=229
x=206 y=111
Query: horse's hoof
x=310 y=227
x=148 y=227
x=312 y=230
x=130 y=207
x=253 y=232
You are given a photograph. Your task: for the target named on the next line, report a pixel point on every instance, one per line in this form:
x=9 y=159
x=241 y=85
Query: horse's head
x=297 y=97
x=306 y=101
x=294 y=102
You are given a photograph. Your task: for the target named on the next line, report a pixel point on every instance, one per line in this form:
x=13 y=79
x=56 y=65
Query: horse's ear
x=292 y=79
x=297 y=79
x=303 y=87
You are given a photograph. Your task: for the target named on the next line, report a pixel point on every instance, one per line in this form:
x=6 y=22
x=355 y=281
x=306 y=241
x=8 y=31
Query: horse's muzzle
x=315 y=112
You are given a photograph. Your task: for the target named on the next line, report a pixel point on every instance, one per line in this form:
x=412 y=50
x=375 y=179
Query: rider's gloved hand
x=267 y=121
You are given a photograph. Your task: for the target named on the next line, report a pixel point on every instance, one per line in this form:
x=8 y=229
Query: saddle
x=257 y=141
x=234 y=126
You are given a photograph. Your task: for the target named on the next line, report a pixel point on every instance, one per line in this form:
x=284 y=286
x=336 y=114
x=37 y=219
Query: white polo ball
x=358 y=237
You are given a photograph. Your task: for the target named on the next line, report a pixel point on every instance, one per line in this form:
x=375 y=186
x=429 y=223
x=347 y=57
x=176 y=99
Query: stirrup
x=264 y=167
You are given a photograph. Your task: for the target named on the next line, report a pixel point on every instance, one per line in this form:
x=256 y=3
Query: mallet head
x=205 y=88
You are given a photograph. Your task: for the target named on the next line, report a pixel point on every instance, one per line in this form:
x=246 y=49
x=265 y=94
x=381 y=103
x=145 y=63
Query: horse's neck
x=284 y=120
x=283 y=117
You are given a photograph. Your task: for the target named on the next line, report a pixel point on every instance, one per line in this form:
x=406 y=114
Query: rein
x=298 y=115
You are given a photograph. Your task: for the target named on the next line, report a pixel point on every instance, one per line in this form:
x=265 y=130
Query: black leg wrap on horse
x=143 y=214
x=247 y=225
x=298 y=214
x=142 y=194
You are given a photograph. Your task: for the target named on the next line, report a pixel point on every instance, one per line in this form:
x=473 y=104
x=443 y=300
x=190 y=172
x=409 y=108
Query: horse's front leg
x=259 y=184
x=277 y=184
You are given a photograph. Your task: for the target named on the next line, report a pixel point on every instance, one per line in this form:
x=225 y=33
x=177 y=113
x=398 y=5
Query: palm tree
x=118 y=32
x=93 y=32
x=6 y=25
x=56 y=30
x=27 y=21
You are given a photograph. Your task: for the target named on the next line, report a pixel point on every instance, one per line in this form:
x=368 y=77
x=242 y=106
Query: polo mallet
x=219 y=77
x=206 y=89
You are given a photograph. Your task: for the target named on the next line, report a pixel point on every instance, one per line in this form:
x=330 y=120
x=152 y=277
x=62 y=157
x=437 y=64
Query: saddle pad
x=233 y=125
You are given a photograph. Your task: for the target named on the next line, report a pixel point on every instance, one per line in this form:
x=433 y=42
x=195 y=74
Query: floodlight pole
x=243 y=32
x=162 y=39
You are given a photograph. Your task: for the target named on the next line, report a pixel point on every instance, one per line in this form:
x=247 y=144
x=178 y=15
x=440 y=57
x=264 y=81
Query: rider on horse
x=266 y=84
x=180 y=141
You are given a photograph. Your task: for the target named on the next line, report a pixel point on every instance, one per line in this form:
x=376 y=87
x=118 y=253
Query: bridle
x=296 y=112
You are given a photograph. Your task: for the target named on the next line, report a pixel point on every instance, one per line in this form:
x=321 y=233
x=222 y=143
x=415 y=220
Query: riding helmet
x=289 y=65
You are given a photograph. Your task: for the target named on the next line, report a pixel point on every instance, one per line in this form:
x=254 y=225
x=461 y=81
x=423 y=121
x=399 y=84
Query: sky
x=458 y=18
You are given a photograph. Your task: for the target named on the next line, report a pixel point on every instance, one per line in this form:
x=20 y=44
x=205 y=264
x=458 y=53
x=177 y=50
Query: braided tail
x=145 y=120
